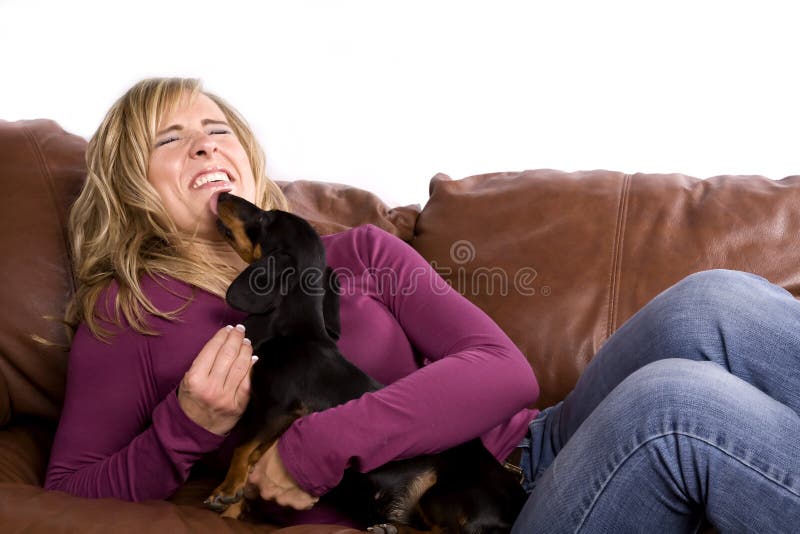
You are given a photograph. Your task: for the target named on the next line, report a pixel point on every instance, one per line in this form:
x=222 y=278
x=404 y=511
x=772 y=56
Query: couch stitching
x=616 y=256
x=48 y=178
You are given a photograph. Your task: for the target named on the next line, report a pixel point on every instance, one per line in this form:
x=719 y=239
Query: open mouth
x=216 y=179
x=213 y=202
x=211 y=179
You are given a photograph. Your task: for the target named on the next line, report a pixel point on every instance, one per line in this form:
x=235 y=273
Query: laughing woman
x=689 y=410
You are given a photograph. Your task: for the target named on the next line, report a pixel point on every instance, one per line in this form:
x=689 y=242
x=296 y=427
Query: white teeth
x=210 y=177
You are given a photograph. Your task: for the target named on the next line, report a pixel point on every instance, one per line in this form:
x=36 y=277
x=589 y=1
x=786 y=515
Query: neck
x=219 y=251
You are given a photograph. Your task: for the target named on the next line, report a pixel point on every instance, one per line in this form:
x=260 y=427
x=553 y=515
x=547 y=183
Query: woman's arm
x=118 y=438
x=477 y=379
x=115 y=438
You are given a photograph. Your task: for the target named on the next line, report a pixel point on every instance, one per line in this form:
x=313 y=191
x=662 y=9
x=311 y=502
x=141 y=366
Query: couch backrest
x=582 y=252
x=578 y=253
x=42 y=169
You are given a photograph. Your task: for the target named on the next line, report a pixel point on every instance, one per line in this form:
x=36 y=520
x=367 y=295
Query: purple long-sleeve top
x=123 y=433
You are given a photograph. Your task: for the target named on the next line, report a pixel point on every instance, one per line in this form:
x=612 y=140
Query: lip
x=212 y=185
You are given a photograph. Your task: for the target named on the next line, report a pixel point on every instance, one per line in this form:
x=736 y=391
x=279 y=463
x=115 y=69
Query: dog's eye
x=254 y=229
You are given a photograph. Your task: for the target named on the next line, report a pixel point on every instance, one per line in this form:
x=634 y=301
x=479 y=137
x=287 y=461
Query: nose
x=203 y=145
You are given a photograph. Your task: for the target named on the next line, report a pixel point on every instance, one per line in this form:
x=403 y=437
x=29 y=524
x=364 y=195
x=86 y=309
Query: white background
x=383 y=95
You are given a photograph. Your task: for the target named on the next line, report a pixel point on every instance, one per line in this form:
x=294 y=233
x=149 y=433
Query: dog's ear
x=261 y=287
x=330 y=304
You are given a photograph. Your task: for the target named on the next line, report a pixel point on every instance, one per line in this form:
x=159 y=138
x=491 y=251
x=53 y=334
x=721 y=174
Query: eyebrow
x=204 y=122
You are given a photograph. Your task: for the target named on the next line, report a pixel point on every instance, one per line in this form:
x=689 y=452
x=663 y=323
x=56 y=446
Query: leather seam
x=48 y=178
x=616 y=257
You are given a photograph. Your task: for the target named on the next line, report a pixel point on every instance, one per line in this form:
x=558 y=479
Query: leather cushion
x=581 y=252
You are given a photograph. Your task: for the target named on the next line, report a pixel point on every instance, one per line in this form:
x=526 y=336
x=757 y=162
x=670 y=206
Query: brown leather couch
x=559 y=260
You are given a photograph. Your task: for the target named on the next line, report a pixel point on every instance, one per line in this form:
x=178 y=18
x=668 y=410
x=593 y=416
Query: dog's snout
x=234 y=215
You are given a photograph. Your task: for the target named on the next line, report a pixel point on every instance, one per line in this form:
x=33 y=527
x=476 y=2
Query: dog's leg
x=258 y=451
x=246 y=455
x=232 y=488
x=254 y=454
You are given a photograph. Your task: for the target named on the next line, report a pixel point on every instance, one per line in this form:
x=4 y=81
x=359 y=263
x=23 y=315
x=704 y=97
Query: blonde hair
x=118 y=227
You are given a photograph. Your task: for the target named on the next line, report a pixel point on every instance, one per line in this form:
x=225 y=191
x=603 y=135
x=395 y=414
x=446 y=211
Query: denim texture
x=690 y=409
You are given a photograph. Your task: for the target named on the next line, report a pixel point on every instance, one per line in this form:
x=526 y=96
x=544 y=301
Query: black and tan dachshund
x=293 y=301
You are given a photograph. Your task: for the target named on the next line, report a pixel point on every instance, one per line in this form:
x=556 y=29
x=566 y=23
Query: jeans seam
x=676 y=433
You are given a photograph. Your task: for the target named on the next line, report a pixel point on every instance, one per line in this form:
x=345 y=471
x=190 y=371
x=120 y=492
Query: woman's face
x=196 y=156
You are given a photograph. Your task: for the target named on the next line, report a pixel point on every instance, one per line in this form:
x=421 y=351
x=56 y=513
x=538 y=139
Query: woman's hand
x=270 y=479
x=215 y=390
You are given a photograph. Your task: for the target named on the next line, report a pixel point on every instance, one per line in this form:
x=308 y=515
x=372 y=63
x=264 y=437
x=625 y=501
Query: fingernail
x=254 y=358
x=228 y=328
x=240 y=327
x=247 y=341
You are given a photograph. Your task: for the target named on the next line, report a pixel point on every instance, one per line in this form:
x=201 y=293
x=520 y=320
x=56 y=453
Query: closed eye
x=171 y=139
x=165 y=141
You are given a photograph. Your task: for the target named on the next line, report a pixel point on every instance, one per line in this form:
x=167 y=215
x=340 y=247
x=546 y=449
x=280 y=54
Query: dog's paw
x=219 y=501
x=383 y=528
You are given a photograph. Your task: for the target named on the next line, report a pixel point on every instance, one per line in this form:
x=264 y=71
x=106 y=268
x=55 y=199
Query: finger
x=242 y=393
x=270 y=492
x=255 y=471
x=239 y=366
x=226 y=354
x=203 y=362
x=297 y=499
x=268 y=487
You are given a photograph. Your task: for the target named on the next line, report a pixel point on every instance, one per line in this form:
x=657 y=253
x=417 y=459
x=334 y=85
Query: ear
x=330 y=304
x=261 y=287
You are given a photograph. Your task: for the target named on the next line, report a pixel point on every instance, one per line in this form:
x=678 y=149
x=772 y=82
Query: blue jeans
x=690 y=409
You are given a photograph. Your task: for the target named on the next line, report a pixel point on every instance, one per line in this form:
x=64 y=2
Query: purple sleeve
x=116 y=437
x=476 y=379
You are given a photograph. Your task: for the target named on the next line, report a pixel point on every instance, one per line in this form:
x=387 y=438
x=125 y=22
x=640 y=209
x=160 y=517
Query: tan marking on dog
x=241 y=243
x=400 y=509
x=237 y=472
x=233 y=511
